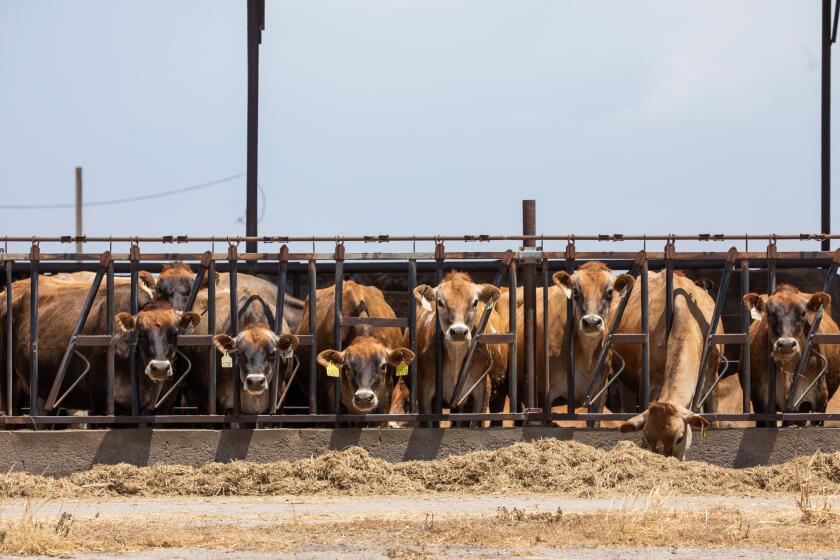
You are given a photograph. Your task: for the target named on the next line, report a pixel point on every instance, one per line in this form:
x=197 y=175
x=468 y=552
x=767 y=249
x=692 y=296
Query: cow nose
x=159 y=369
x=591 y=322
x=458 y=332
x=255 y=383
x=785 y=344
x=364 y=399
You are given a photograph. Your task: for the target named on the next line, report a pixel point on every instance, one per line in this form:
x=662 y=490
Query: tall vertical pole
x=529 y=270
x=825 y=144
x=78 y=209
x=256 y=23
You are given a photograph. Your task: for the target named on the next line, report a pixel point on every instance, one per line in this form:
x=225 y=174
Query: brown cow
x=459 y=304
x=60 y=302
x=371 y=354
x=674 y=363
x=592 y=288
x=784 y=319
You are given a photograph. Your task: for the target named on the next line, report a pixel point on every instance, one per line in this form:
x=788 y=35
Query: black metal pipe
x=234 y=330
x=282 y=274
x=339 y=299
x=529 y=300
x=745 y=325
x=110 y=365
x=546 y=388
x=438 y=408
x=771 y=364
x=513 y=397
x=196 y=287
x=33 y=339
x=10 y=342
x=571 y=401
x=255 y=23
x=825 y=126
x=412 y=334
x=134 y=307
x=211 y=330
x=644 y=396
x=313 y=329
x=669 y=298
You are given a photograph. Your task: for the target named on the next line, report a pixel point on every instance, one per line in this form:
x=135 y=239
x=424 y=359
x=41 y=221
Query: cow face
x=788 y=314
x=591 y=288
x=158 y=325
x=366 y=366
x=256 y=348
x=666 y=428
x=174 y=284
x=457 y=299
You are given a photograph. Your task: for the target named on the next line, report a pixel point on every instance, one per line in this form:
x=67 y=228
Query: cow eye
x=383 y=367
x=272 y=355
x=440 y=303
x=609 y=293
x=475 y=303
x=681 y=438
x=802 y=313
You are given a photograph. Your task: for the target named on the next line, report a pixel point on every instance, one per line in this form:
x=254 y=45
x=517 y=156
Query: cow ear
x=817 y=300
x=624 y=281
x=148 y=279
x=206 y=276
x=328 y=357
x=564 y=280
x=398 y=355
x=188 y=320
x=424 y=295
x=224 y=343
x=755 y=303
x=126 y=322
x=286 y=341
x=634 y=424
x=695 y=420
x=488 y=293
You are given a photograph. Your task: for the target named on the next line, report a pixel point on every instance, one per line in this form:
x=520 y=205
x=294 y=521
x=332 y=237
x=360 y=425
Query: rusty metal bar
x=745 y=344
x=669 y=288
x=644 y=392
x=512 y=356
x=196 y=285
x=546 y=388
x=211 y=330
x=571 y=392
x=412 y=334
x=313 y=349
x=282 y=273
x=707 y=345
x=134 y=308
x=529 y=299
x=33 y=332
x=440 y=254
x=10 y=342
x=110 y=364
x=771 y=364
x=338 y=319
x=233 y=257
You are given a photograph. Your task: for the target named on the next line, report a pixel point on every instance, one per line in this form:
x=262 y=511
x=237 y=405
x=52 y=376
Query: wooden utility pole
x=78 y=208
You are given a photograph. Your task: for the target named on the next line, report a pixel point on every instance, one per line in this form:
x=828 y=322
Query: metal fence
x=532 y=262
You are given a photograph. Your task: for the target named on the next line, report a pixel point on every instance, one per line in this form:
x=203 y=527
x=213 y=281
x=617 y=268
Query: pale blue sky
x=417 y=117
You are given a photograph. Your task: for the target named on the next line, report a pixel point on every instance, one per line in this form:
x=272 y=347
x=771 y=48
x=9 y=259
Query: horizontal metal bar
x=729 y=338
x=397 y=322
x=628 y=338
x=93 y=340
x=826 y=338
x=496 y=338
x=305 y=339
x=195 y=340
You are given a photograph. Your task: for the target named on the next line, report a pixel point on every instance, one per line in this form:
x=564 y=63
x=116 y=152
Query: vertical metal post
x=233 y=257
x=570 y=336
x=282 y=272
x=256 y=24
x=78 y=209
x=339 y=300
x=771 y=364
x=412 y=334
x=134 y=307
x=546 y=388
x=313 y=329
x=745 y=325
x=10 y=341
x=211 y=330
x=109 y=382
x=825 y=126
x=529 y=227
x=34 y=257
x=440 y=254
x=669 y=288
x=644 y=390
x=512 y=356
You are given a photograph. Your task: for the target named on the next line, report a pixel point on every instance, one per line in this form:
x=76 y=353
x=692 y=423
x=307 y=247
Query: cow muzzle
x=159 y=370
x=256 y=384
x=592 y=324
x=365 y=400
x=785 y=347
x=458 y=333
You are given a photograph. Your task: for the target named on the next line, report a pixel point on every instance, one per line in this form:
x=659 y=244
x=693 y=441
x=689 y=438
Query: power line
x=124 y=200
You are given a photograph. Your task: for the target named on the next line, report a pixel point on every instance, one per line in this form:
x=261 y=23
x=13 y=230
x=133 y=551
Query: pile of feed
x=559 y=467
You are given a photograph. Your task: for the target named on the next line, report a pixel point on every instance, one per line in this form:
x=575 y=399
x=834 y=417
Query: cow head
x=174 y=284
x=256 y=348
x=591 y=288
x=457 y=299
x=666 y=428
x=788 y=314
x=158 y=325
x=367 y=366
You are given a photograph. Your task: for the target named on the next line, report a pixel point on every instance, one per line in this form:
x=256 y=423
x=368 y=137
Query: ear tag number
x=755 y=314
x=227 y=360
x=332 y=370
x=287 y=353
x=402 y=369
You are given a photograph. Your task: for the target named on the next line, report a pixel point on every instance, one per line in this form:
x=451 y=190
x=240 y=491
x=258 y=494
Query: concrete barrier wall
x=66 y=451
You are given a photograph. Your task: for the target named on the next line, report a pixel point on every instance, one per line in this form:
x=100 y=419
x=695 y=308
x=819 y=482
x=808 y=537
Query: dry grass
x=567 y=468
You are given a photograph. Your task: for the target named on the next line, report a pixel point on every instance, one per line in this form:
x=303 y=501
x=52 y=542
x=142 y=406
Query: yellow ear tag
x=402 y=369
x=227 y=360
x=332 y=370
x=703 y=431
